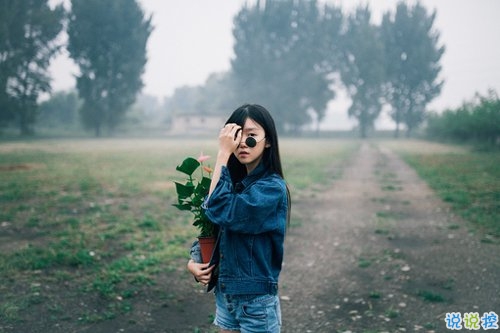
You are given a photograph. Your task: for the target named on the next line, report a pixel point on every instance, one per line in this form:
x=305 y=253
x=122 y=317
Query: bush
x=476 y=122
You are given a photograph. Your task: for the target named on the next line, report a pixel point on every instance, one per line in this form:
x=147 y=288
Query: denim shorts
x=248 y=313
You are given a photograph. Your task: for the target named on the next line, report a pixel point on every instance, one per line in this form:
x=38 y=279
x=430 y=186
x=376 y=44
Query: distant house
x=196 y=124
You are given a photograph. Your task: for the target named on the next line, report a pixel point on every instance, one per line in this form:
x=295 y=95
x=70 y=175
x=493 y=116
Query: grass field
x=97 y=214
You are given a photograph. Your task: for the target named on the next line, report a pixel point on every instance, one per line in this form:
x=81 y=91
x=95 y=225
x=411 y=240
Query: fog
x=193 y=39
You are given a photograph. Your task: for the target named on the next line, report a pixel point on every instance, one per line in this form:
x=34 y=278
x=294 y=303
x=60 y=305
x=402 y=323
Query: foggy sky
x=193 y=38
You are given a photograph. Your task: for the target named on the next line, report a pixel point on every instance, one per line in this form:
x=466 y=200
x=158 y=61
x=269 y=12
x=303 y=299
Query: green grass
x=96 y=216
x=468 y=180
x=430 y=296
x=309 y=162
x=364 y=262
x=470 y=183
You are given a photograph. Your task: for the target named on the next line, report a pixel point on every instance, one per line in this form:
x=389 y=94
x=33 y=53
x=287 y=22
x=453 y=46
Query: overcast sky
x=193 y=38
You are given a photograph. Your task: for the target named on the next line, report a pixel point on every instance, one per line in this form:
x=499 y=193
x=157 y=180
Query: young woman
x=250 y=203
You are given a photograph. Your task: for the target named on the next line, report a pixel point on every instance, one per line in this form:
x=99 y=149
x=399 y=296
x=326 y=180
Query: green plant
x=430 y=296
x=391 y=313
x=364 y=262
x=192 y=193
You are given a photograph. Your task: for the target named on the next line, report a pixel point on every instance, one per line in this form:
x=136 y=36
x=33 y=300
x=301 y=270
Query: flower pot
x=207 y=245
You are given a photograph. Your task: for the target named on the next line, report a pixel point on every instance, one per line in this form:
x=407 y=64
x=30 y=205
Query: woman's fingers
x=231 y=130
x=202 y=272
x=230 y=137
x=205 y=274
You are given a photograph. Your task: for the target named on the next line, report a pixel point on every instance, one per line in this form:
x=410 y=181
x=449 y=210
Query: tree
x=329 y=46
x=214 y=97
x=362 y=70
x=61 y=110
x=277 y=62
x=316 y=56
x=107 y=39
x=413 y=54
x=28 y=41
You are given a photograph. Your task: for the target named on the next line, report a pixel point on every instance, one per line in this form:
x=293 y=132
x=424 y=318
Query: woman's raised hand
x=229 y=138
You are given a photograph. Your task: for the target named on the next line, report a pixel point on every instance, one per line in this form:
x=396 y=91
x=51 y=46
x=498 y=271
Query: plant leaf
x=202 y=188
x=206 y=182
x=184 y=191
x=188 y=166
x=182 y=206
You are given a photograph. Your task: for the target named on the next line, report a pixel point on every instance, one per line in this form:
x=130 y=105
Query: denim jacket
x=252 y=218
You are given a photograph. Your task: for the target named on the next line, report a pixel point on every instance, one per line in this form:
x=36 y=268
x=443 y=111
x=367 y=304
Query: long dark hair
x=271 y=156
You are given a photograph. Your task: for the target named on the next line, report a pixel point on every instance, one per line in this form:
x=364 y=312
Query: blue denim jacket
x=252 y=218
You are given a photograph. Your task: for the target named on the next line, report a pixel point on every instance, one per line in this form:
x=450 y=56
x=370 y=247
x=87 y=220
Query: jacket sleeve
x=195 y=252
x=259 y=208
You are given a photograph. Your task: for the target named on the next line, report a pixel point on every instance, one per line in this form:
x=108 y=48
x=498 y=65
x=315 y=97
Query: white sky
x=193 y=38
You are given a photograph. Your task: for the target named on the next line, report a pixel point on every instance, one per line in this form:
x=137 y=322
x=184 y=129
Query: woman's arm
x=229 y=139
x=261 y=207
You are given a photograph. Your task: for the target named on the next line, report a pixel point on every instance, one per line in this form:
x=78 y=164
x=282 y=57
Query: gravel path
x=379 y=252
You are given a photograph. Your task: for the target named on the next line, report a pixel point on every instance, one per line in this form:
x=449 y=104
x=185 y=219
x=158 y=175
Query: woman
x=250 y=203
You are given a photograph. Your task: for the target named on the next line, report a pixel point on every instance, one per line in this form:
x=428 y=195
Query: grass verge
x=468 y=181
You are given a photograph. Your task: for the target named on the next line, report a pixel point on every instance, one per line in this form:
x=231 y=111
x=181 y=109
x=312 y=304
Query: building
x=191 y=124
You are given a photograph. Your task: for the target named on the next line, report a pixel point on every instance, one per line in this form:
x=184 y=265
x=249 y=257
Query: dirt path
x=378 y=252
x=375 y=252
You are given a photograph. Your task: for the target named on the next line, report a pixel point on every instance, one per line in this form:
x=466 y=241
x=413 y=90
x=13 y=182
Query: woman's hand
x=201 y=272
x=229 y=138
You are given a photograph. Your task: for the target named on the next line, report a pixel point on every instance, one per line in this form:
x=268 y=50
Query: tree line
x=294 y=56
x=291 y=56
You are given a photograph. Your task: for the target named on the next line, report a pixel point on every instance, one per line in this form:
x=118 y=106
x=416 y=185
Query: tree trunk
x=398 y=122
x=25 y=129
x=396 y=132
x=24 y=124
x=408 y=132
x=362 y=129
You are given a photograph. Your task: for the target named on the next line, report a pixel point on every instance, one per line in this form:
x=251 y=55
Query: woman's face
x=251 y=156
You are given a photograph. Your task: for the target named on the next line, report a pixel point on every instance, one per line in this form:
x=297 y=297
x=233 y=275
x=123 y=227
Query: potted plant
x=190 y=196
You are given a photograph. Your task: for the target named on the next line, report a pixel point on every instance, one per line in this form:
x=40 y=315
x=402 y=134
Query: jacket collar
x=257 y=173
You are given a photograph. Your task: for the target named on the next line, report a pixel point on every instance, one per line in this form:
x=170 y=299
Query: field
x=88 y=227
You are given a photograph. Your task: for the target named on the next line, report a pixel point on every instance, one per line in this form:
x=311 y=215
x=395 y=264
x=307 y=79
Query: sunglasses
x=251 y=142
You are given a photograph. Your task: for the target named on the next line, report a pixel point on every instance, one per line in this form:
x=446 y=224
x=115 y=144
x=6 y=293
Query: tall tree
x=319 y=37
x=413 y=53
x=329 y=45
x=28 y=41
x=107 y=39
x=363 y=69
x=277 y=62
